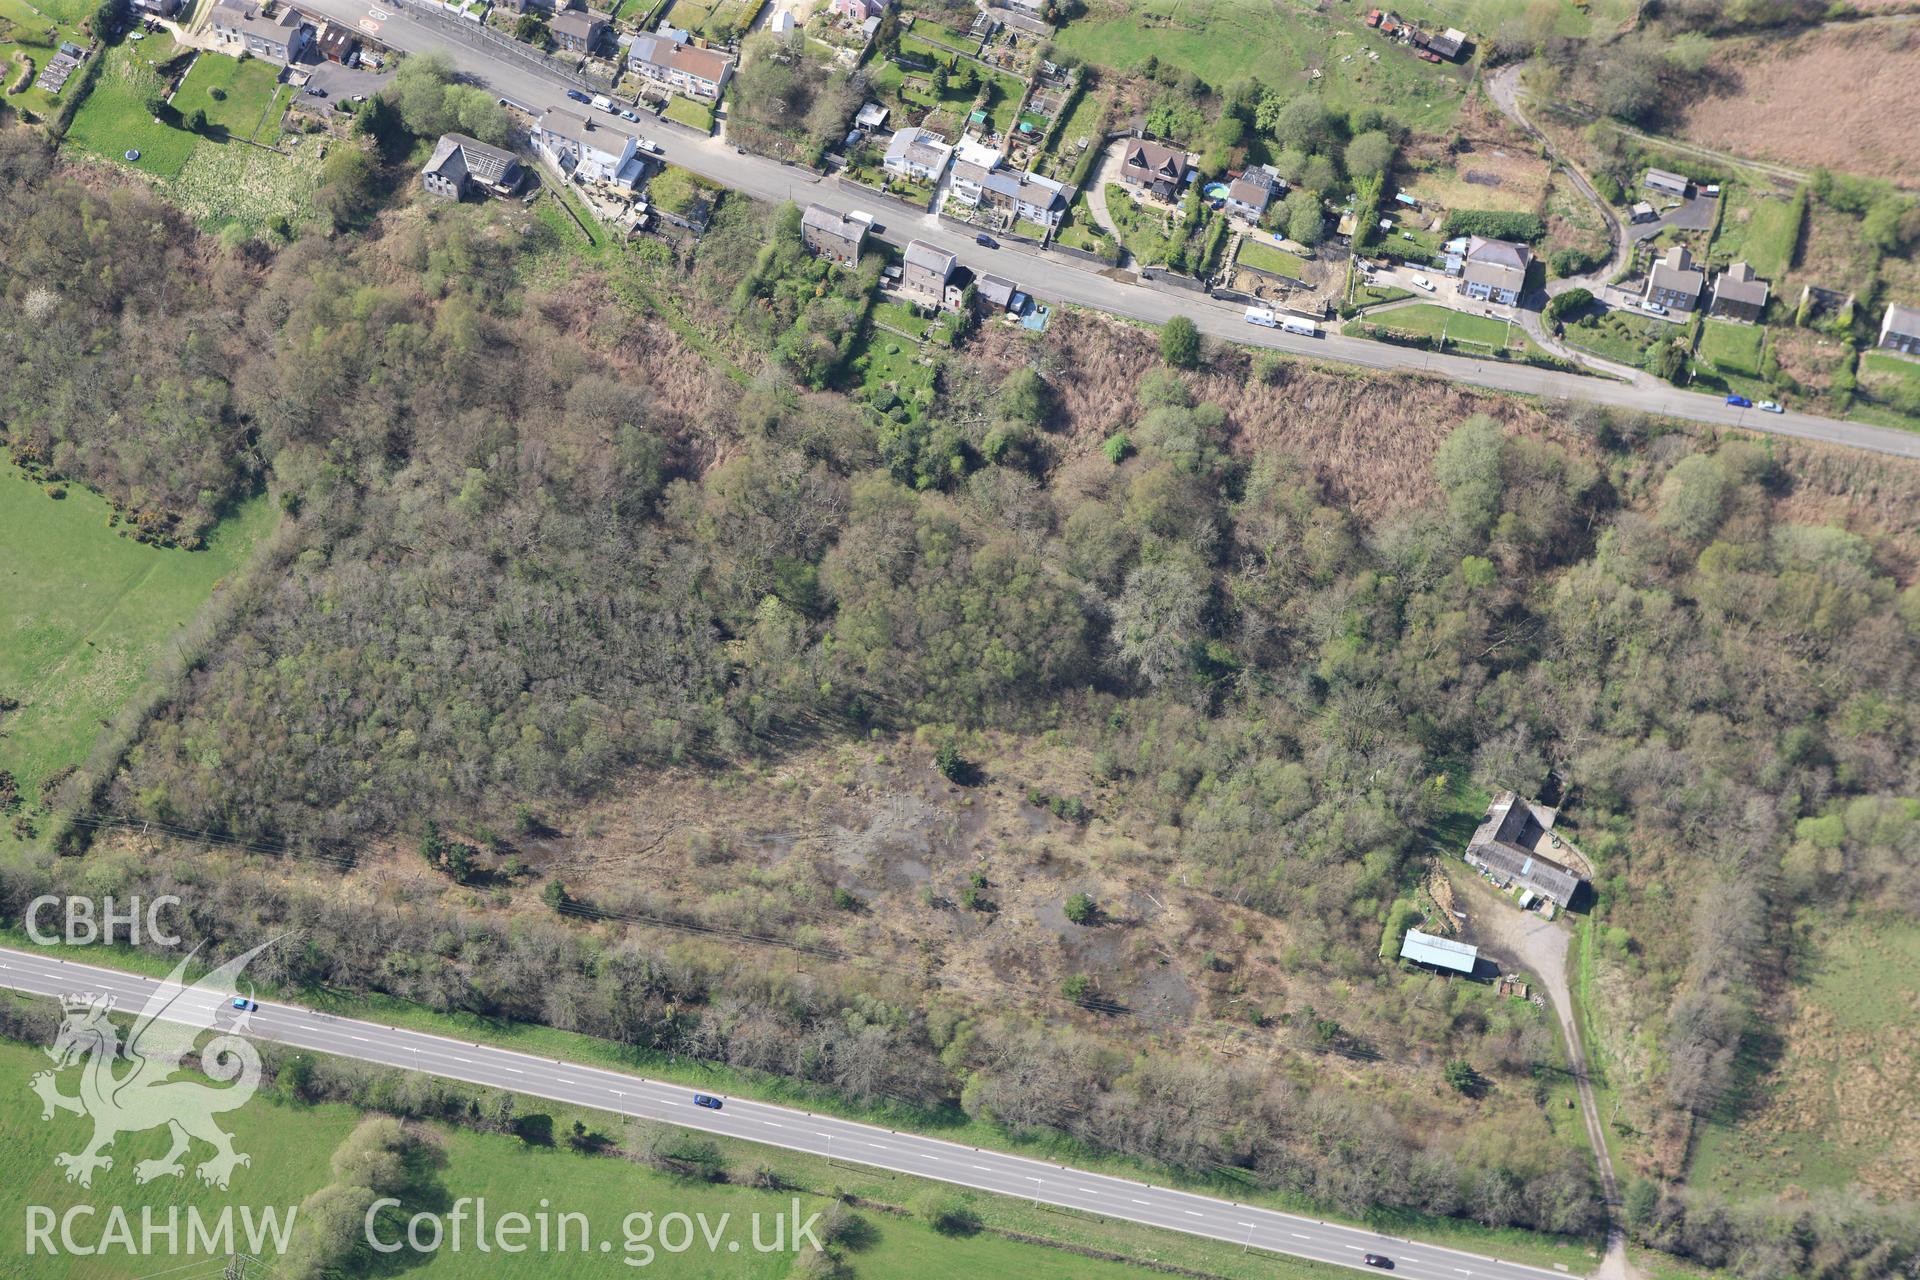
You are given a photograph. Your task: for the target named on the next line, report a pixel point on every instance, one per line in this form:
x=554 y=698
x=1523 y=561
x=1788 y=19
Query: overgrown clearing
x=86 y=611
x=1783 y=100
x=1223 y=40
x=1760 y=229
x=1836 y=1099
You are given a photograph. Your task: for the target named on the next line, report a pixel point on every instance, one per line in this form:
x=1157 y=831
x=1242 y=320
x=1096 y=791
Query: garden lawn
x=247 y=92
x=114 y=118
x=86 y=612
x=1889 y=365
x=35 y=31
x=1148 y=234
x=697 y=115
x=1431 y=320
x=1762 y=231
x=1733 y=348
x=1265 y=257
x=1620 y=337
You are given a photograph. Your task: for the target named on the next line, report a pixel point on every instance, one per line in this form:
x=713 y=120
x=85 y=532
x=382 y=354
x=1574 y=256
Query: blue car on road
x=1740 y=402
x=578 y=96
x=706 y=1100
x=244 y=1005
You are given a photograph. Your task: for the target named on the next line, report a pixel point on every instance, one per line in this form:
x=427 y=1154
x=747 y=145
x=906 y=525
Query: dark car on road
x=706 y=1100
x=1380 y=1260
x=986 y=241
x=315 y=91
x=1740 y=402
x=578 y=96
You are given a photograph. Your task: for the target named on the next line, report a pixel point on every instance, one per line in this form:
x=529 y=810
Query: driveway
x=1096 y=189
x=1503 y=89
x=1531 y=943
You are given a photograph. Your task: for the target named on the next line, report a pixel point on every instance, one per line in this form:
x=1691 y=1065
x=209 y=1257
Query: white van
x=1262 y=317
x=603 y=102
x=1305 y=328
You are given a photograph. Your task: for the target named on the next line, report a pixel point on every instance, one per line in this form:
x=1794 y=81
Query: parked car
x=986 y=241
x=315 y=91
x=1740 y=402
x=1656 y=308
x=1421 y=282
x=578 y=96
x=706 y=1100
x=1768 y=406
x=1380 y=1260
x=628 y=115
x=244 y=1005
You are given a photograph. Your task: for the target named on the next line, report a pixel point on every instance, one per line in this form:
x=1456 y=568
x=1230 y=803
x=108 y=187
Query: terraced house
x=677 y=64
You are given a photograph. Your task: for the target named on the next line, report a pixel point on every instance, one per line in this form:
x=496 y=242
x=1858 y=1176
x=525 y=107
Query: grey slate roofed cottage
x=1503 y=846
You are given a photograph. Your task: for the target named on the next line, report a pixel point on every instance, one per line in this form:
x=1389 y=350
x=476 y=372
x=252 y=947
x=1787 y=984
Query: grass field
x=1265 y=257
x=114 y=118
x=1760 y=230
x=86 y=611
x=237 y=96
x=1837 y=1101
x=1733 y=348
x=290 y=1147
x=715 y=19
x=1223 y=40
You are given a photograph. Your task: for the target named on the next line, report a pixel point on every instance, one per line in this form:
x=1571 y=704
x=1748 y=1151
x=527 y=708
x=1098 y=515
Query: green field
x=290 y=1148
x=220 y=178
x=114 y=118
x=247 y=93
x=1223 y=40
x=86 y=612
x=1268 y=258
x=1822 y=1110
x=1733 y=348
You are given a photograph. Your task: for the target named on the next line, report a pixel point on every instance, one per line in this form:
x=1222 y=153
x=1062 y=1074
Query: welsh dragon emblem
x=129 y=1088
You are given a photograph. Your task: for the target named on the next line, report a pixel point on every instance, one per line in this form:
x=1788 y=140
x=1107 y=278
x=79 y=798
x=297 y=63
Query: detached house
x=834 y=236
x=278 y=36
x=1041 y=200
x=1504 y=847
x=919 y=155
x=578 y=31
x=1153 y=167
x=1738 y=294
x=1900 y=329
x=1249 y=194
x=589 y=148
x=695 y=73
x=1495 y=270
x=926 y=275
x=461 y=165
x=1674 y=282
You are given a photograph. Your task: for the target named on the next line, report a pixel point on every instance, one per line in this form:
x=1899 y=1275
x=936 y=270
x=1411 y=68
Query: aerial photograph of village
x=957 y=639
